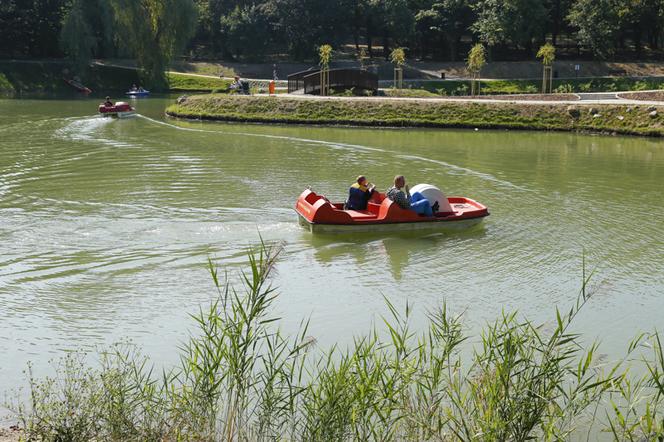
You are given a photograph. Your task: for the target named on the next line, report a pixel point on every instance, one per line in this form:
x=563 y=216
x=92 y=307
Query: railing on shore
x=340 y=79
x=296 y=80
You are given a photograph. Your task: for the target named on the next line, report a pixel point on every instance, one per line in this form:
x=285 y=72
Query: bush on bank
x=6 y=88
x=567 y=85
x=421 y=113
x=241 y=379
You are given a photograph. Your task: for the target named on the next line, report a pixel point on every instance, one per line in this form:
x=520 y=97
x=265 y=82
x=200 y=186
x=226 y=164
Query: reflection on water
x=392 y=250
x=106 y=226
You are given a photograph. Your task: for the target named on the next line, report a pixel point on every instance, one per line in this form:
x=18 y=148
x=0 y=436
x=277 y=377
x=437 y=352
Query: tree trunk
x=637 y=39
x=556 y=22
x=356 y=29
x=529 y=48
x=452 y=46
x=369 y=38
x=386 y=45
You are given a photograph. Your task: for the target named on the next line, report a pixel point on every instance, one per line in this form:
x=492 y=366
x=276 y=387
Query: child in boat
x=359 y=193
x=405 y=200
x=108 y=102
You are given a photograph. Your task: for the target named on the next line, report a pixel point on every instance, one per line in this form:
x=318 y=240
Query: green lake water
x=106 y=227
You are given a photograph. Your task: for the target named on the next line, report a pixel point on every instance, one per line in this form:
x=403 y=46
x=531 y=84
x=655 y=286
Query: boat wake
x=482 y=175
x=87 y=129
x=337 y=145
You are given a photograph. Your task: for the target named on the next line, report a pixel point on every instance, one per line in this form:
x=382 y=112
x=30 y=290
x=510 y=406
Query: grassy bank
x=635 y=120
x=46 y=77
x=192 y=83
x=240 y=379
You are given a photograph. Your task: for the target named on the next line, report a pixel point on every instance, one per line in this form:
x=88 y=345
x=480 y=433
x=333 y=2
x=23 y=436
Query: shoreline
x=630 y=118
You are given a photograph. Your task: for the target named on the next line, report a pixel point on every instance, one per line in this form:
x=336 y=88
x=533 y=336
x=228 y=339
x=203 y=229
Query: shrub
x=564 y=88
x=461 y=90
x=6 y=87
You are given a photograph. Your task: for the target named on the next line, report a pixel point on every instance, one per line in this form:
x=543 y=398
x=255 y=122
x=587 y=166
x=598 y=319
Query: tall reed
x=241 y=379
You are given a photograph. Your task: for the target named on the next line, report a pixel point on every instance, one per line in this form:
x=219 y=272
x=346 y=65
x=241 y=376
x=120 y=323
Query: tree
x=76 y=36
x=325 y=56
x=489 y=23
x=210 y=14
x=446 y=21
x=31 y=27
x=548 y=54
x=398 y=57
x=303 y=25
x=475 y=63
x=597 y=23
x=154 y=30
x=517 y=21
x=557 y=17
x=394 y=20
x=641 y=18
x=247 y=30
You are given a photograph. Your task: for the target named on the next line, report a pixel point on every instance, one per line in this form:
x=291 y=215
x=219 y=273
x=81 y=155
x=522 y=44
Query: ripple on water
x=107 y=227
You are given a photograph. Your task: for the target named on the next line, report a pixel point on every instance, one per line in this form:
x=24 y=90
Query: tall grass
x=241 y=379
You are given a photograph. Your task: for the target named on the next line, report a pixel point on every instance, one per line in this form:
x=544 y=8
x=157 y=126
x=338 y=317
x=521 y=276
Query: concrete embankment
x=629 y=118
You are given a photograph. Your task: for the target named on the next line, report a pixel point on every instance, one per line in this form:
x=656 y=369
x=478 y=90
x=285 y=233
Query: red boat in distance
x=118 y=110
x=318 y=214
x=78 y=86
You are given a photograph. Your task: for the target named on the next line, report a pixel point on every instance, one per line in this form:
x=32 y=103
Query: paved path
x=584 y=98
x=587 y=101
x=596 y=96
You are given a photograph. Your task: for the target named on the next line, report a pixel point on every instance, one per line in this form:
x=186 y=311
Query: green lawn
x=183 y=82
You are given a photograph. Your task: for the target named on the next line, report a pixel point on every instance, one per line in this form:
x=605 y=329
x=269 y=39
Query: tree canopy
x=154 y=31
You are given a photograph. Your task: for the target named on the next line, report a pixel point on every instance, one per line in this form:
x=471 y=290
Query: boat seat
x=373 y=208
x=360 y=214
x=389 y=210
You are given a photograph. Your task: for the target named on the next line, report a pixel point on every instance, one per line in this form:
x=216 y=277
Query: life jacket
x=358 y=197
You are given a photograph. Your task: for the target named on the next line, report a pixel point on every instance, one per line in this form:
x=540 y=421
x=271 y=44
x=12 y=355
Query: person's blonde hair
x=360 y=178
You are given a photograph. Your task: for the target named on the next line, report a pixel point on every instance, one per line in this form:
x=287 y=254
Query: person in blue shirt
x=359 y=193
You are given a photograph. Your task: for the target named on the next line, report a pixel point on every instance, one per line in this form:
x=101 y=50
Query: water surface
x=106 y=227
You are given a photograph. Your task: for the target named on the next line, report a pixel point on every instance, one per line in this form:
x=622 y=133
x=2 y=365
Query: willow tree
x=548 y=54
x=325 y=56
x=475 y=63
x=154 y=31
x=76 y=37
x=398 y=57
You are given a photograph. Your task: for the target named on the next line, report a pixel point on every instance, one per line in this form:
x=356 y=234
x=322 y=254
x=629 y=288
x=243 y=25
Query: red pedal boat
x=119 y=110
x=318 y=214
